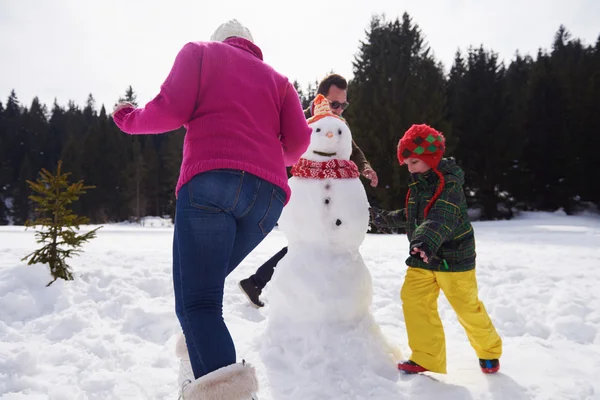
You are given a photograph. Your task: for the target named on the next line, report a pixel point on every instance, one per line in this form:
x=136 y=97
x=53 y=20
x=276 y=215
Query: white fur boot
x=233 y=382
x=186 y=374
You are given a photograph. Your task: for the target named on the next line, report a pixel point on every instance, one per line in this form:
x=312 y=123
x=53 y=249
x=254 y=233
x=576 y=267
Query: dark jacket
x=446 y=234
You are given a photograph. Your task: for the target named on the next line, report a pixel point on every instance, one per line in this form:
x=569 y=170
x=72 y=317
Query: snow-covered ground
x=110 y=334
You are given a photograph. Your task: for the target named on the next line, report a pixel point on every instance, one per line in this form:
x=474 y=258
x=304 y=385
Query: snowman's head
x=331 y=137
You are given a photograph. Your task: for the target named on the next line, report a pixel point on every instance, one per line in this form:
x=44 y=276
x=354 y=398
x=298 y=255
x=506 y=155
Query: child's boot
x=411 y=367
x=489 y=366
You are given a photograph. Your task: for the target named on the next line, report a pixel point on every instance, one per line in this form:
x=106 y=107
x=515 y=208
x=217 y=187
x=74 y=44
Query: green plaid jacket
x=447 y=231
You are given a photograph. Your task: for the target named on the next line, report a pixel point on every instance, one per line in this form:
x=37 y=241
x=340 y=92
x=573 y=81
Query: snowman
x=319 y=326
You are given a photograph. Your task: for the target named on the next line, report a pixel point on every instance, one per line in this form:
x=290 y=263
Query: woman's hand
x=121 y=106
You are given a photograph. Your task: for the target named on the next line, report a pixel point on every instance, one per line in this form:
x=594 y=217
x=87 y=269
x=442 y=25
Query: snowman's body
x=323 y=275
x=320 y=328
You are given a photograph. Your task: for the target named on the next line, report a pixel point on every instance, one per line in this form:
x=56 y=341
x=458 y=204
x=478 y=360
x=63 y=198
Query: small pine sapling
x=60 y=238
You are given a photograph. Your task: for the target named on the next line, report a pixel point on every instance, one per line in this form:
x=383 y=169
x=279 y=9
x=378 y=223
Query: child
x=442 y=256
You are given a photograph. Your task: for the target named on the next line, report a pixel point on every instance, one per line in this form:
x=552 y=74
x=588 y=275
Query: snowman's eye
x=339 y=131
x=318 y=129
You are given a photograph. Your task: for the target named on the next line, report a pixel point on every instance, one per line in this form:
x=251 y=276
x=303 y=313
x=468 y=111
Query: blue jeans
x=221 y=216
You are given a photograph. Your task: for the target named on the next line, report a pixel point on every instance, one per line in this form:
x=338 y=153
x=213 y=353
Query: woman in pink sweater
x=244 y=125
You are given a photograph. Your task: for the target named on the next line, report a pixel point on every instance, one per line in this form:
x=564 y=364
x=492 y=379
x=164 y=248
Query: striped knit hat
x=428 y=145
x=321 y=109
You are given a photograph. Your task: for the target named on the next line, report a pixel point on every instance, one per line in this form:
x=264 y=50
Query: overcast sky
x=66 y=49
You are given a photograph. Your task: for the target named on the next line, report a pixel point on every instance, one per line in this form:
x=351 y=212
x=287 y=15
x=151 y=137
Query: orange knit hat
x=322 y=109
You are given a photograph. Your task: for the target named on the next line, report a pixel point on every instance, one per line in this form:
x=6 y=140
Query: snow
x=150 y=222
x=111 y=333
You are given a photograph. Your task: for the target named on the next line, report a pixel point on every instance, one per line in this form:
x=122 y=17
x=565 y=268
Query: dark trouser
x=221 y=216
x=264 y=273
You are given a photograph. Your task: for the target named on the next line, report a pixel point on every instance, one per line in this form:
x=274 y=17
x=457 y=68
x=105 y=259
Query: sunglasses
x=336 y=104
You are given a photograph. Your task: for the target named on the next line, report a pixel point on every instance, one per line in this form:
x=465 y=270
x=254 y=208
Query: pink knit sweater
x=239 y=112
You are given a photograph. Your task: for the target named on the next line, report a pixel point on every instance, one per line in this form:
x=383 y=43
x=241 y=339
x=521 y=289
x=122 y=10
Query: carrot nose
x=329 y=135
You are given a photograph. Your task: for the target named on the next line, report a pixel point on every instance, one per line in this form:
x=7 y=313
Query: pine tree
x=89 y=112
x=134 y=199
x=170 y=161
x=73 y=146
x=21 y=203
x=61 y=240
x=5 y=173
x=12 y=146
x=57 y=131
x=478 y=105
x=546 y=153
x=4 y=212
x=35 y=134
x=299 y=90
x=516 y=178
x=151 y=179
x=102 y=164
x=396 y=83
x=311 y=93
x=592 y=122
x=4 y=180
x=571 y=62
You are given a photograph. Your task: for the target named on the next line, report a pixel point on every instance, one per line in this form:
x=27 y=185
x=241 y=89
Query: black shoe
x=489 y=366
x=252 y=292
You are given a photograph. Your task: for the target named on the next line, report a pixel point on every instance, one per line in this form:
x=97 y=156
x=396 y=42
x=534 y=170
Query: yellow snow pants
x=424 y=327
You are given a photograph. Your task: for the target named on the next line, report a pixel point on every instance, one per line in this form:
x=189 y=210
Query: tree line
x=525 y=132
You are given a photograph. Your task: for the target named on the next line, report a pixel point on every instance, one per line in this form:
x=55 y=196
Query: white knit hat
x=229 y=29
